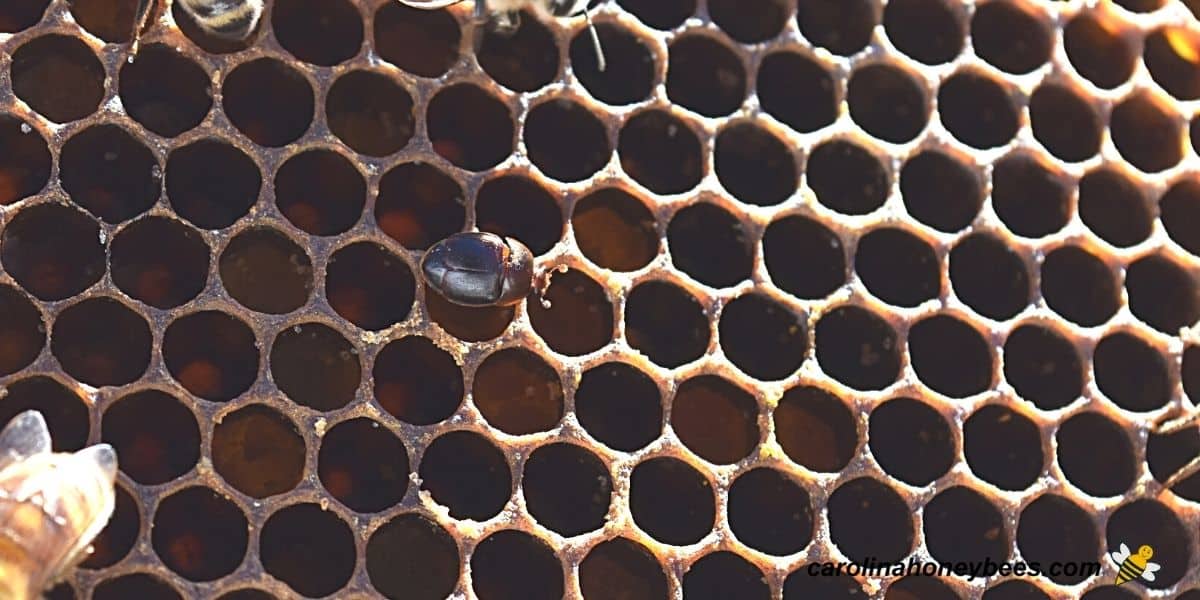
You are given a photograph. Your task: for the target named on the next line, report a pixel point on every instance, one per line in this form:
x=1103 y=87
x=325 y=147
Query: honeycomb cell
x=567 y=489
x=1029 y=198
x=412 y=557
x=369 y=286
x=580 y=318
x=950 y=356
x=1172 y=56
x=1042 y=366
x=841 y=26
x=770 y=512
x=711 y=245
x=801 y=584
x=715 y=419
x=268 y=101
x=24 y=160
x=1114 y=208
x=898 y=267
x=1178 y=209
x=621 y=569
x=308 y=548
x=512 y=564
x=797 y=90
x=869 y=519
x=631 y=70
x=1064 y=123
x=363 y=465
x=960 y=524
x=976 y=109
x=422 y=42
x=666 y=324
x=206 y=40
x=614 y=229
x=469 y=127
x=887 y=103
x=135 y=585
x=660 y=14
x=65 y=411
x=1054 y=529
x=1154 y=524
x=199 y=550
x=467 y=474
x=857 y=348
x=370 y=113
x=21 y=14
x=114 y=542
x=165 y=91
x=246 y=594
x=1109 y=592
x=58 y=76
x=258 y=451
x=124 y=183
x=22 y=331
x=619 y=405
x=154 y=434
x=1145 y=133
x=940 y=191
x=927 y=30
x=763 y=338
x=211 y=183
x=1098 y=51
x=918 y=586
x=1131 y=373
x=519 y=207
x=315 y=366
x=321 y=192
x=1079 y=286
x=750 y=22
x=418 y=205
x=753 y=165
x=212 y=354
x=1015 y=589
x=319 y=32
x=518 y=392
x=671 y=501
x=100 y=342
x=565 y=140
x=417 y=382
x=1011 y=37
x=266 y=272
x=705 y=76
x=52 y=251
x=661 y=152
x=816 y=429
x=803 y=257
x=1095 y=454
x=989 y=276
x=1003 y=447
x=911 y=441
x=847 y=177
x=1162 y=294
x=724 y=574
x=468 y=324
x=159 y=261
x=523 y=58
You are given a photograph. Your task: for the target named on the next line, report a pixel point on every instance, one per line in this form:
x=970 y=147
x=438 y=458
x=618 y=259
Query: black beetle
x=479 y=269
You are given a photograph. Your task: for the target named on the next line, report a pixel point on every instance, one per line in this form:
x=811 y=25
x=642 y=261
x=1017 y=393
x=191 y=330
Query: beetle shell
x=479 y=269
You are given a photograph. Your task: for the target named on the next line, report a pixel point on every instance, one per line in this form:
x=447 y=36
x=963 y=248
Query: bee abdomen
x=230 y=19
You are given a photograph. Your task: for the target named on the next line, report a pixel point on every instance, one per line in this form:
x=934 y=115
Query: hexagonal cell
x=319 y=32
x=1029 y=197
x=1003 y=447
x=22 y=330
x=523 y=58
x=615 y=230
x=705 y=76
x=412 y=557
x=1011 y=36
x=1079 y=286
x=100 y=342
x=950 y=356
x=763 y=338
x=1143 y=131
x=212 y=354
x=753 y=165
x=869 y=519
x=711 y=245
x=898 y=267
x=1148 y=521
x=211 y=183
x=369 y=286
x=159 y=261
x=977 y=110
x=1042 y=366
x=822 y=268
x=1177 y=208
x=321 y=192
x=671 y=501
x=315 y=366
x=469 y=127
x=266 y=271
x=580 y=317
x=631 y=70
x=518 y=392
x=308 y=548
x=666 y=323
x=724 y=574
x=514 y=564
x=268 y=101
x=621 y=569
x=1172 y=55
x=940 y=191
x=1098 y=50
x=619 y=405
x=258 y=451
x=154 y=434
x=847 y=177
x=1053 y=529
x=165 y=91
x=363 y=465
x=911 y=441
x=1114 y=208
x=887 y=102
x=567 y=489
x=770 y=512
x=816 y=429
x=1064 y=123
x=661 y=152
x=520 y=208
x=199 y=549
x=21 y=14
x=417 y=382
x=715 y=419
x=1162 y=293
x=124 y=183
x=1130 y=372
x=370 y=113
x=840 y=26
x=24 y=160
x=418 y=205
x=59 y=77
x=927 y=30
x=989 y=276
x=1095 y=454
x=857 y=348
x=64 y=409
x=466 y=473
x=961 y=524
x=422 y=42
x=565 y=140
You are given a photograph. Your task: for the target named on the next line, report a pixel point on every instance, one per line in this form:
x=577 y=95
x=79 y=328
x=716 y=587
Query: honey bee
x=502 y=15
x=232 y=20
x=51 y=505
x=1132 y=566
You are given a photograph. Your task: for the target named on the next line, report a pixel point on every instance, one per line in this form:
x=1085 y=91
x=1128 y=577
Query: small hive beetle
x=479 y=269
x=51 y=505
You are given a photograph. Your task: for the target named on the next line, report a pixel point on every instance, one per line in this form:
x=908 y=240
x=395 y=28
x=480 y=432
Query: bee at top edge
x=502 y=15
x=52 y=505
x=233 y=20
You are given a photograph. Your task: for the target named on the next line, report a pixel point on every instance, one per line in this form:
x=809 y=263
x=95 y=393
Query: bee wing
x=1148 y=574
x=103 y=458
x=1120 y=555
x=23 y=437
x=429 y=4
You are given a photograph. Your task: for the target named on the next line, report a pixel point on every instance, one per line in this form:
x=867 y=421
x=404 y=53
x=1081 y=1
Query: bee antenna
x=600 y=62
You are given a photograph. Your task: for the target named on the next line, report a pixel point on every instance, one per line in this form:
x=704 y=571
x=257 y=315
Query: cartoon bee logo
x=1133 y=566
x=51 y=505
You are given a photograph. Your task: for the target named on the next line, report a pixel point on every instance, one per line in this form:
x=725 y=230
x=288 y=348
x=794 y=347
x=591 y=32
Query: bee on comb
x=52 y=505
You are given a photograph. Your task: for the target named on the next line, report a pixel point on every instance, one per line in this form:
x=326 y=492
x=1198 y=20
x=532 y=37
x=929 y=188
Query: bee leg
x=1184 y=472
x=1173 y=424
x=140 y=19
x=600 y=62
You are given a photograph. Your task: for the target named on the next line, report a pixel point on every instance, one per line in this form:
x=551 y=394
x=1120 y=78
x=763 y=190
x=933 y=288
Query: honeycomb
x=821 y=280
